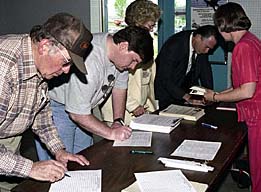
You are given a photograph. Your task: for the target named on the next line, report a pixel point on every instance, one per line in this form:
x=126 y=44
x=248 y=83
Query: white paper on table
x=203 y=150
x=134 y=187
x=163 y=181
x=84 y=180
x=137 y=139
x=184 y=164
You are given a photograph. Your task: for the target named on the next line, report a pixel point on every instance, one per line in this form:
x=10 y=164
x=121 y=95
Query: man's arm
x=171 y=65
x=92 y=124
x=206 y=75
x=119 y=97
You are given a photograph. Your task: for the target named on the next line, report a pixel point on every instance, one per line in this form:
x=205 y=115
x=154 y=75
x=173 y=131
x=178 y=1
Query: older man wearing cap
x=108 y=64
x=26 y=62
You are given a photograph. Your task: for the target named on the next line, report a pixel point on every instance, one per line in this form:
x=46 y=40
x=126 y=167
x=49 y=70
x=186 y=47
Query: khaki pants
x=12 y=144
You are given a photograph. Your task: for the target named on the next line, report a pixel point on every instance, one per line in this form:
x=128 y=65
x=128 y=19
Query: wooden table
x=118 y=165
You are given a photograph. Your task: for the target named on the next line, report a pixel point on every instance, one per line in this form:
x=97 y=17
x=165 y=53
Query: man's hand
x=63 y=157
x=119 y=132
x=139 y=111
x=197 y=102
x=50 y=170
x=209 y=95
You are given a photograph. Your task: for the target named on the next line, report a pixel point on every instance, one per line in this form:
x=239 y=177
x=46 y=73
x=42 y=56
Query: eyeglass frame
x=68 y=62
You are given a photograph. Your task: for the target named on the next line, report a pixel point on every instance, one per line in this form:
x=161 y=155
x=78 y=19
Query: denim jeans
x=74 y=138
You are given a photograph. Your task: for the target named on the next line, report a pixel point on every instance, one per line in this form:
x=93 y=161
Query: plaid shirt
x=23 y=103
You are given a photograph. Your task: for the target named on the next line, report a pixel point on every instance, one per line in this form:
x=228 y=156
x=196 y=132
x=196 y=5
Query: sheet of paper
x=196 y=90
x=137 y=139
x=84 y=180
x=184 y=164
x=164 y=181
x=203 y=150
x=134 y=187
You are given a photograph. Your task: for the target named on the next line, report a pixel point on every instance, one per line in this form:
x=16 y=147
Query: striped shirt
x=24 y=103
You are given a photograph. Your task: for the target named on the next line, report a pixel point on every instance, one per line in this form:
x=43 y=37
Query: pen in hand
x=67 y=175
x=140 y=152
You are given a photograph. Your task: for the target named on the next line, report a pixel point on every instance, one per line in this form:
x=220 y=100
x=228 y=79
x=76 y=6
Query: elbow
x=74 y=117
x=248 y=95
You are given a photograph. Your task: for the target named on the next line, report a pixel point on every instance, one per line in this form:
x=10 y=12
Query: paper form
x=163 y=181
x=137 y=139
x=87 y=180
x=134 y=187
x=203 y=150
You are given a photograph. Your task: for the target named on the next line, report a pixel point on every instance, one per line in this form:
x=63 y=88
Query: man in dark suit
x=181 y=63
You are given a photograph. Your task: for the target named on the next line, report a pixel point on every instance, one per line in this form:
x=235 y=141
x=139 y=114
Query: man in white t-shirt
x=107 y=66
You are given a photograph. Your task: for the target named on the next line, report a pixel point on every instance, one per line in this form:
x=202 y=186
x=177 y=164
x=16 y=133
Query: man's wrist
x=214 y=97
x=119 y=120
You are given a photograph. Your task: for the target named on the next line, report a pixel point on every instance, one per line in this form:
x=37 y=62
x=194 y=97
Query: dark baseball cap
x=73 y=35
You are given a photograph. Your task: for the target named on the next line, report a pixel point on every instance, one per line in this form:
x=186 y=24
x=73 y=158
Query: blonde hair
x=141 y=11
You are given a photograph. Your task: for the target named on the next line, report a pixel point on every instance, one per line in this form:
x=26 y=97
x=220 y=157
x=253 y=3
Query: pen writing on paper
x=67 y=175
x=140 y=152
x=209 y=125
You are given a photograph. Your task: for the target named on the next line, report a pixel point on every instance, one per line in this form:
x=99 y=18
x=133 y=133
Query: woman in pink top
x=233 y=24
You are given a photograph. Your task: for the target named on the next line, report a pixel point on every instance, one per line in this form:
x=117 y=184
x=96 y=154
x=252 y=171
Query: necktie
x=193 y=66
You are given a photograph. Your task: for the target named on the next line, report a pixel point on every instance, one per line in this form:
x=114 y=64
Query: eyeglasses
x=67 y=62
x=106 y=89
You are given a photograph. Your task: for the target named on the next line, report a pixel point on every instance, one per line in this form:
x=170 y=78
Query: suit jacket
x=171 y=81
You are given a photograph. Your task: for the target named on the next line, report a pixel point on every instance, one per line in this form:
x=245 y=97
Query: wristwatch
x=120 y=120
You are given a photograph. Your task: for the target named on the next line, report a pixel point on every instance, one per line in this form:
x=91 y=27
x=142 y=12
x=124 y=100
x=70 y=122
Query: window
x=180 y=15
x=115 y=10
x=115 y=18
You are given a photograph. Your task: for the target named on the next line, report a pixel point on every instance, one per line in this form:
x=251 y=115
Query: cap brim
x=78 y=61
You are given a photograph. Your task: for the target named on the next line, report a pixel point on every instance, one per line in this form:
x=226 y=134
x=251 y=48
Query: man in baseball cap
x=72 y=34
x=26 y=62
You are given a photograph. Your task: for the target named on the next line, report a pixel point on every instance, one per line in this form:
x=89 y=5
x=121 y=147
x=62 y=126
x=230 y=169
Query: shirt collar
x=28 y=68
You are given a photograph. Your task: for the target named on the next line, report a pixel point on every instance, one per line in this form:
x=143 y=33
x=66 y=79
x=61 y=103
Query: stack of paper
x=163 y=181
x=227 y=106
x=186 y=112
x=155 y=123
x=134 y=187
x=204 y=150
x=183 y=164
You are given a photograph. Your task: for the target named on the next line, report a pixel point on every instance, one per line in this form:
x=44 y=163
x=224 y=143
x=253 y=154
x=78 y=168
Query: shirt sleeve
x=46 y=130
x=122 y=80
x=79 y=94
x=14 y=165
x=11 y=164
x=170 y=72
x=245 y=62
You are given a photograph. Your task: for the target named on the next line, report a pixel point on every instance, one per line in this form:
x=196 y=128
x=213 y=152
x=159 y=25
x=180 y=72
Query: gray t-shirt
x=80 y=97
